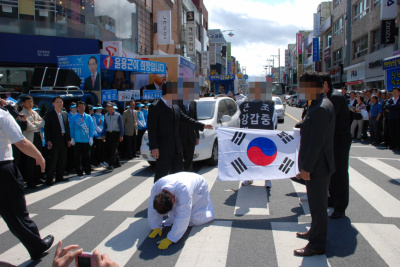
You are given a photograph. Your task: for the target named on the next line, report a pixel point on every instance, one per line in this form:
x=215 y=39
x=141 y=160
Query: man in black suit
x=316 y=161
x=163 y=129
x=339 y=184
x=92 y=83
x=58 y=139
x=190 y=137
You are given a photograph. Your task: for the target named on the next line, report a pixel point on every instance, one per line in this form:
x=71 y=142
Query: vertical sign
x=205 y=62
x=190 y=34
x=300 y=48
x=164 y=27
x=388 y=9
x=317 y=25
x=315 y=49
x=213 y=59
x=287 y=61
x=388 y=31
x=228 y=58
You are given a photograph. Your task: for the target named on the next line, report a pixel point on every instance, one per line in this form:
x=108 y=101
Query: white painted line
x=210 y=174
x=398 y=159
x=384 y=238
x=383 y=167
x=124 y=241
x=252 y=199
x=97 y=190
x=60 y=229
x=4 y=227
x=286 y=242
x=133 y=199
x=202 y=248
x=301 y=192
x=383 y=202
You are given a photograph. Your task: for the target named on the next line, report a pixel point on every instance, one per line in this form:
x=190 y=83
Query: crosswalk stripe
x=252 y=199
x=133 y=199
x=301 y=192
x=384 y=238
x=124 y=241
x=383 y=202
x=210 y=174
x=383 y=167
x=4 y=227
x=286 y=242
x=97 y=190
x=202 y=248
x=61 y=228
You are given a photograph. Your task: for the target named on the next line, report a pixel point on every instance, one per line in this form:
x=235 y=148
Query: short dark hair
x=133 y=100
x=375 y=97
x=326 y=78
x=26 y=97
x=92 y=57
x=55 y=98
x=162 y=203
x=396 y=88
x=81 y=103
x=362 y=99
x=312 y=76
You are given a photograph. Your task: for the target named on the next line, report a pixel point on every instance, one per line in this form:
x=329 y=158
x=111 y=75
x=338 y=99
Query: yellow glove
x=155 y=232
x=164 y=243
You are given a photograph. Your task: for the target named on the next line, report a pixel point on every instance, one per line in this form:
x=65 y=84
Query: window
x=338 y=27
x=361 y=47
x=222 y=110
x=376 y=40
x=232 y=106
x=361 y=9
x=338 y=57
x=336 y=3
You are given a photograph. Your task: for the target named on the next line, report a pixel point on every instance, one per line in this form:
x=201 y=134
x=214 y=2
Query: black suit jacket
x=88 y=84
x=52 y=128
x=163 y=127
x=342 y=113
x=316 y=143
x=187 y=132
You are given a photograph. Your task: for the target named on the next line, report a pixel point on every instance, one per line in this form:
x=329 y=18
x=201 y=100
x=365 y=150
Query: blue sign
x=229 y=68
x=229 y=77
x=131 y=64
x=392 y=79
x=152 y=94
x=315 y=51
x=188 y=64
x=109 y=95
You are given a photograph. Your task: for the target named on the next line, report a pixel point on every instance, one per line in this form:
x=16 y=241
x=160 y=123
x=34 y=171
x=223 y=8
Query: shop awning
x=355 y=82
x=374 y=79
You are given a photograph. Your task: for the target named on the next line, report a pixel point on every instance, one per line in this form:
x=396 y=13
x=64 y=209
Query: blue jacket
x=81 y=128
x=394 y=109
x=142 y=120
x=99 y=124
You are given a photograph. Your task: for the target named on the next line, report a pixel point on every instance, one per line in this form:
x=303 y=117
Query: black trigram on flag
x=286 y=138
x=238 y=138
x=239 y=166
x=286 y=165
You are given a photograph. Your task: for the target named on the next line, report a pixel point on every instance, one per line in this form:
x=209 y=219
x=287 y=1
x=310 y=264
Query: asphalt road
x=253 y=226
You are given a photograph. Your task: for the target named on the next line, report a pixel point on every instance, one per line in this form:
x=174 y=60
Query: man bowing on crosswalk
x=185 y=198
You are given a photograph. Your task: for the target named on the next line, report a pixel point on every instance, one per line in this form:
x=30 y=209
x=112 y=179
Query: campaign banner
x=135 y=94
x=258 y=114
x=392 y=79
x=124 y=96
x=152 y=94
x=164 y=27
x=221 y=77
x=131 y=64
x=109 y=95
x=249 y=154
x=388 y=9
x=315 y=49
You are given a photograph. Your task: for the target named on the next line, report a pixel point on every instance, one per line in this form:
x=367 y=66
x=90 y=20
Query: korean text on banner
x=164 y=26
x=257 y=154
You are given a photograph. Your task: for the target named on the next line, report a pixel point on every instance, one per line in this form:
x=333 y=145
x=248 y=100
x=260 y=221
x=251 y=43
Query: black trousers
x=386 y=130
x=317 y=193
x=112 y=139
x=82 y=157
x=339 y=183
x=187 y=152
x=70 y=162
x=57 y=161
x=394 y=132
x=365 y=129
x=30 y=172
x=14 y=211
x=139 y=139
x=99 y=150
x=168 y=164
x=130 y=146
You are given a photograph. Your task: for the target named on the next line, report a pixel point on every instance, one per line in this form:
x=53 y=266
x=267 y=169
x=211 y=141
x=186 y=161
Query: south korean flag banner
x=249 y=154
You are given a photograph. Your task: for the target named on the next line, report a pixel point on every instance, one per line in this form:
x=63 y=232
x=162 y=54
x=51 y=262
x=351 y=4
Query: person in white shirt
x=186 y=199
x=12 y=198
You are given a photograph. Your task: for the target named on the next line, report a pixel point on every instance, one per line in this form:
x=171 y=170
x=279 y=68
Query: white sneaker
x=249 y=182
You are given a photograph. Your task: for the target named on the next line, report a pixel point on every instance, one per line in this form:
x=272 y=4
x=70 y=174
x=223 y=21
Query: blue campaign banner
x=315 y=51
x=131 y=64
x=109 y=95
x=221 y=77
x=392 y=79
x=86 y=66
x=152 y=94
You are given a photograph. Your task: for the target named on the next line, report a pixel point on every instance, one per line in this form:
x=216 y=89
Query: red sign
x=327 y=54
x=108 y=62
x=318 y=66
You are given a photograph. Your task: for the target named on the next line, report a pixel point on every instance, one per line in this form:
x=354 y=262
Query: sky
x=260 y=27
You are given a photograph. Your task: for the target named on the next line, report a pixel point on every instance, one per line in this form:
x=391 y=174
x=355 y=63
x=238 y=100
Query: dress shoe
x=337 y=215
x=110 y=168
x=48 y=242
x=306 y=252
x=117 y=165
x=303 y=235
x=80 y=174
x=88 y=173
x=49 y=182
x=31 y=186
x=62 y=179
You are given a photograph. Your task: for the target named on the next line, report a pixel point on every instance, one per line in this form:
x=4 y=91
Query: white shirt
x=166 y=102
x=10 y=133
x=395 y=100
x=61 y=120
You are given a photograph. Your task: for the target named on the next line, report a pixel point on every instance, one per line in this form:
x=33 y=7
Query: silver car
x=280 y=109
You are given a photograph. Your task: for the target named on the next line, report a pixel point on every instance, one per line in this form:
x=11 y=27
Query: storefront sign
x=327 y=53
x=205 y=62
x=356 y=72
x=388 y=9
x=213 y=58
x=318 y=66
x=299 y=43
x=190 y=34
x=317 y=25
x=164 y=27
x=375 y=64
x=326 y=25
x=388 y=31
x=315 y=50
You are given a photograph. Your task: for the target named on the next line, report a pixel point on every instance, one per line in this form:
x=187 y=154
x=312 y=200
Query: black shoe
x=31 y=186
x=110 y=168
x=62 y=179
x=337 y=215
x=48 y=242
x=49 y=182
x=40 y=181
x=117 y=165
x=88 y=173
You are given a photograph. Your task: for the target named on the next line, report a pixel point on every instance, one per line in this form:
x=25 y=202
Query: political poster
x=124 y=96
x=258 y=115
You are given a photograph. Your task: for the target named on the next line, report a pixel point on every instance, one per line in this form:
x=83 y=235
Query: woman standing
x=358 y=117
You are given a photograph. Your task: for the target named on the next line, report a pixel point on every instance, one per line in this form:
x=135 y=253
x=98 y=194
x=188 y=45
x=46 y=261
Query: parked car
x=300 y=102
x=280 y=109
x=292 y=101
x=217 y=111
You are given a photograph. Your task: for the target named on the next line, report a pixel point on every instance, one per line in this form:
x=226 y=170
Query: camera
x=85 y=260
